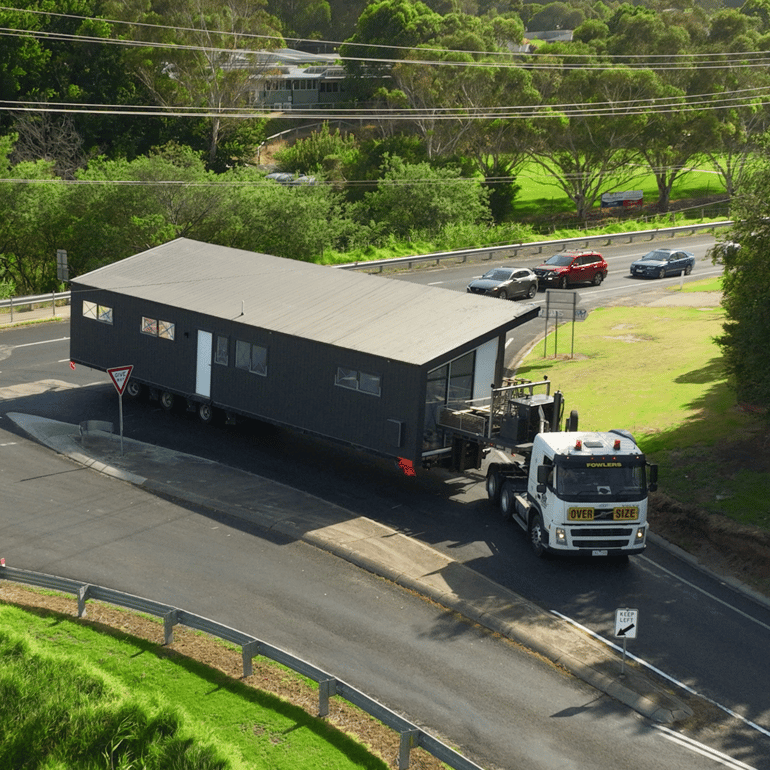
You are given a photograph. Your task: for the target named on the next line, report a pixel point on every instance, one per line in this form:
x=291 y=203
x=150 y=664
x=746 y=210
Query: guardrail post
x=249 y=651
x=327 y=688
x=169 y=621
x=408 y=742
x=83 y=592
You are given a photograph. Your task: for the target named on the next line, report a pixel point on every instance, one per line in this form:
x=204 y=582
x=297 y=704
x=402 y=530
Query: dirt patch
x=726 y=547
x=267 y=676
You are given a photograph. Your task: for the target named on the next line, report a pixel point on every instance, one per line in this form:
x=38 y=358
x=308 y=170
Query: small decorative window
x=355 y=380
x=97 y=312
x=166 y=330
x=251 y=357
x=154 y=328
x=150 y=326
x=221 y=356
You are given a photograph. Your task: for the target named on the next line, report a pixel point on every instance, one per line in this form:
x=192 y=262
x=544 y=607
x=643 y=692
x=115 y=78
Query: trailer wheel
x=494 y=481
x=134 y=389
x=507 y=504
x=537 y=536
x=167 y=400
x=206 y=413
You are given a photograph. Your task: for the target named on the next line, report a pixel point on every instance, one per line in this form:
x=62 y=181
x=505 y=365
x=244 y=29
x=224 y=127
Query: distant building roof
x=384 y=317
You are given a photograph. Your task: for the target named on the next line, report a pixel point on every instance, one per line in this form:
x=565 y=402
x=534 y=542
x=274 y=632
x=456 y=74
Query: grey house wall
x=299 y=390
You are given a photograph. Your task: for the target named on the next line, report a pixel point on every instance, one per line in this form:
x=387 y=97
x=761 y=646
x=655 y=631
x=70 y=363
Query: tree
x=746 y=289
x=51 y=65
x=30 y=197
x=421 y=199
x=388 y=30
x=672 y=138
x=303 y=18
x=203 y=60
x=588 y=149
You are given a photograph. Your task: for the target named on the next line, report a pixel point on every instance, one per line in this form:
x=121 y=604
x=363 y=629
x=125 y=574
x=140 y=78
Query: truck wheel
x=167 y=400
x=494 y=482
x=134 y=389
x=206 y=413
x=537 y=535
x=507 y=505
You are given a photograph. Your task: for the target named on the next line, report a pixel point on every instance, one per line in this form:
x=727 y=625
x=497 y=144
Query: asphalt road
x=691 y=626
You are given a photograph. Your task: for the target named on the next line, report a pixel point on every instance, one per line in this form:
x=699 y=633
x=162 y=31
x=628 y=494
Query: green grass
x=541 y=197
x=72 y=697
x=658 y=373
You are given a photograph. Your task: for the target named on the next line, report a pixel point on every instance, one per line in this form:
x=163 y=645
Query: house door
x=203 y=368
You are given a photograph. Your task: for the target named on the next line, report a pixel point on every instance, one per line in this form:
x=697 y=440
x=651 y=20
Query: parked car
x=662 y=262
x=506 y=283
x=570 y=267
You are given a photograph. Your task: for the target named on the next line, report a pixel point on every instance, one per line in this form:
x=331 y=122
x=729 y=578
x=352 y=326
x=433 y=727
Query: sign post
x=119 y=376
x=626 y=624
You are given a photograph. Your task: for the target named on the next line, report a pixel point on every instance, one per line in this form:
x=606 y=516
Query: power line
x=737 y=60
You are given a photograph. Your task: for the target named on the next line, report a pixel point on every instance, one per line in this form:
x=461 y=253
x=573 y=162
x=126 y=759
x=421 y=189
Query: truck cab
x=586 y=492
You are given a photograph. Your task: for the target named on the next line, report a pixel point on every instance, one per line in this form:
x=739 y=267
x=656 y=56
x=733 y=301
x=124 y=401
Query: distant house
x=288 y=79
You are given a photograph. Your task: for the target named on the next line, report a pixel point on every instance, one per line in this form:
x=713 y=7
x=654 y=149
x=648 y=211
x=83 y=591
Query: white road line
x=42 y=342
x=10 y=443
x=682 y=685
x=700 y=748
x=705 y=593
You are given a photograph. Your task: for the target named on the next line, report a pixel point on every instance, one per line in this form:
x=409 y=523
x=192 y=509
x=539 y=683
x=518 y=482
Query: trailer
x=360 y=359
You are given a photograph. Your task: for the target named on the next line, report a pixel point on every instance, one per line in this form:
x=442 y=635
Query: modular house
x=361 y=359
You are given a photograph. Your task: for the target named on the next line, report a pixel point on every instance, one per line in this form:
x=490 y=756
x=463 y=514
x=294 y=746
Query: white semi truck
x=572 y=491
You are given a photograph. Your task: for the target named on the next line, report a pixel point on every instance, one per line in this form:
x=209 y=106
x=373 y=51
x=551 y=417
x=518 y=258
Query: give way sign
x=119 y=376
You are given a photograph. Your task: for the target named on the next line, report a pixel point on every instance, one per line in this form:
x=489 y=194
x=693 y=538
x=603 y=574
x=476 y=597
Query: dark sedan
x=663 y=262
x=506 y=283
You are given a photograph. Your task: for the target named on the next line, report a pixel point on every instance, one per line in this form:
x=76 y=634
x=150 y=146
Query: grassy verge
x=76 y=698
x=657 y=372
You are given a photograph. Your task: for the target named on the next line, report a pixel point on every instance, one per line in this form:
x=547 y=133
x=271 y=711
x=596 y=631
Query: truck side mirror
x=653 y=485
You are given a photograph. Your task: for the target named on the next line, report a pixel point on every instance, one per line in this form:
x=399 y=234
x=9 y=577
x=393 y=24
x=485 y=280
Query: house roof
x=394 y=319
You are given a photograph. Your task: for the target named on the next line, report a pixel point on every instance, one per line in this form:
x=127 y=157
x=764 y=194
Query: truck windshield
x=597 y=480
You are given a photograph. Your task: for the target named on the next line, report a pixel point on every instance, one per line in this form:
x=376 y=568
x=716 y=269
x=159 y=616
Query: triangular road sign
x=119 y=376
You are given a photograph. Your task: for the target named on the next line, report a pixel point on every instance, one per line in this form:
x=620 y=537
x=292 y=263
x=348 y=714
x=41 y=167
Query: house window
x=253 y=358
x=222 y=353
x=355 y=380
x=97 y=312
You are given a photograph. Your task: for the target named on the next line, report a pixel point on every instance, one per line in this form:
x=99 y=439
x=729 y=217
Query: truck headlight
x=561 y=536
x=640 y=534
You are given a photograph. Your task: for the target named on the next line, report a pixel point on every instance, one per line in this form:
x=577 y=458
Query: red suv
x=569 y=267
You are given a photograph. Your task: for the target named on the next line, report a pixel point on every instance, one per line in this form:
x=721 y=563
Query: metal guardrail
x=38 y=299
x=513 y=249
x=328 y=686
